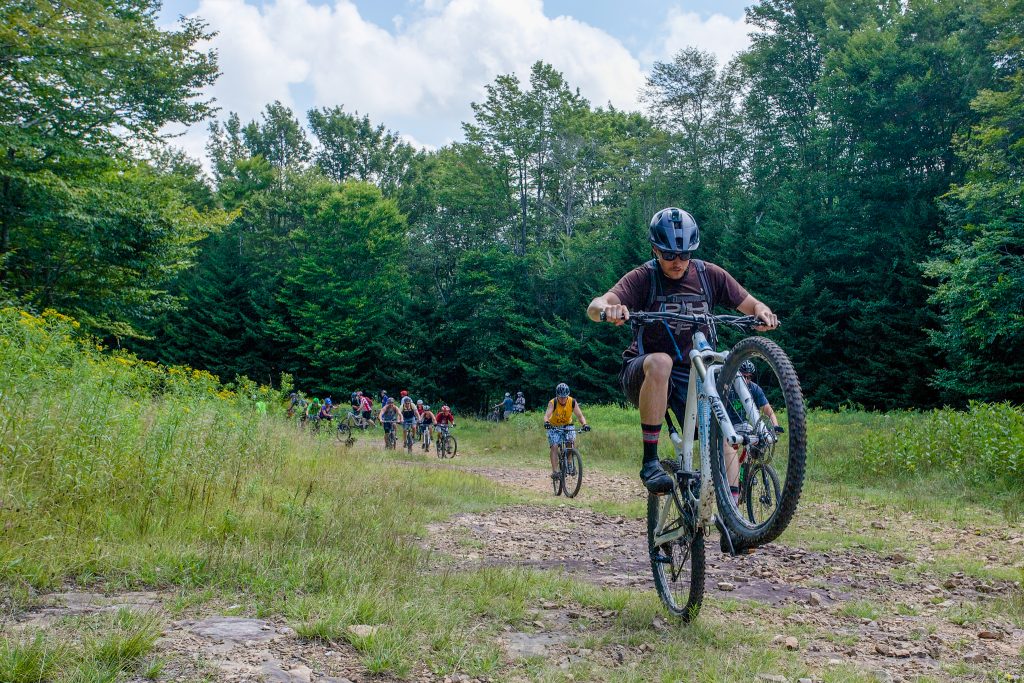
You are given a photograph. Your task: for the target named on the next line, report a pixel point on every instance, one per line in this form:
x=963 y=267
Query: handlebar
x=744 y=323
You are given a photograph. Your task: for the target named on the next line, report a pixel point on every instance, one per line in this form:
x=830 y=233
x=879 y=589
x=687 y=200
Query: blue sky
x=416 y=65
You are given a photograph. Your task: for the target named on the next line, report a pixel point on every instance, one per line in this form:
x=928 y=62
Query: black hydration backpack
x=657 y=300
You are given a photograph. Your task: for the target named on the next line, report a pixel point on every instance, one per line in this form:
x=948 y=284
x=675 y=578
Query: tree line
x=858 y=168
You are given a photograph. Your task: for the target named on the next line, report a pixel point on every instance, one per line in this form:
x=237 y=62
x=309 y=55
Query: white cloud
x=423 y=73
x=420 y=76
x=718 y=34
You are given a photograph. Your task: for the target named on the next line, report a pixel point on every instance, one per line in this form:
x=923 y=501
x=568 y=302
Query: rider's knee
x=658 y=366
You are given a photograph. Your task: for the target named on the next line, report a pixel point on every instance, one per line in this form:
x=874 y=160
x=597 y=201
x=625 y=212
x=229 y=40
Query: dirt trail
x=890 y=613
x=204 y=644
x=895 y=614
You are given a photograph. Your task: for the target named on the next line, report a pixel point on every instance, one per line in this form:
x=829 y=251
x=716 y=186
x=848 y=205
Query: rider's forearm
x=596 y=307
x=752 y=306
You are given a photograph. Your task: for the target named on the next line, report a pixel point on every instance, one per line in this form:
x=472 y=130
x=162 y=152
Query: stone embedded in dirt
x=772 y=678
x=991 y=635
x=792 y=643
x=805 y=680
x=878 y=525
x=235 y=629
x=274 y=673
x=931 y=590
x=539 y=624
x=519 y=644
x=884 y=676
x=659 y=623
x=975 y=657
x=883 y=649
x=835 y=662
x=950 y=584
x=813 y=599
x=726 y=586
x=363 y=630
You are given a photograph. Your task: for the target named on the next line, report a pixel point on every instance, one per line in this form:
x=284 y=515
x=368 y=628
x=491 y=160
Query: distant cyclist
x=520 y=404
x=561 y=410
x=734 y=408
x=365 y=407
x=427 y=421
x=295 y=403
x=445 y=417
x=313 y=411
x=389 y=415
x=326 y=410
x=409 y=417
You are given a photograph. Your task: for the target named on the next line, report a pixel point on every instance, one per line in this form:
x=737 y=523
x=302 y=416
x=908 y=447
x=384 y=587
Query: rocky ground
x=900 y=614
x=893 y=613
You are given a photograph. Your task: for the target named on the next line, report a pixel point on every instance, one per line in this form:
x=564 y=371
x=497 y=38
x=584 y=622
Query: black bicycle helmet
x=673 y=229
x=747 y=368
x=562 y=390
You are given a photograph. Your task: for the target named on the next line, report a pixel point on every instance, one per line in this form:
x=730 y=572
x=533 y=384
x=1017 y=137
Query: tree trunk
x=6 y=217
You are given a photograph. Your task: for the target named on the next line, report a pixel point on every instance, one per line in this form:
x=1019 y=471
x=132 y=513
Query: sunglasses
x=673 y=255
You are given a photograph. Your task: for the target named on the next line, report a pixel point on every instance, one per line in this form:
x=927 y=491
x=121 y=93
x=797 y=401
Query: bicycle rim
x=572 y=473
x=678 y=566
x=786 y=452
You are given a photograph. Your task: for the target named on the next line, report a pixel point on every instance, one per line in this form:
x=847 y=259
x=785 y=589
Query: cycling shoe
x=655 y=478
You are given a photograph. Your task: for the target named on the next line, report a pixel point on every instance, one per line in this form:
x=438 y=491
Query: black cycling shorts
x=631 y=378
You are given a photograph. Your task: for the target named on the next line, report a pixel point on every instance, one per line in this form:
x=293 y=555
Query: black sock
x=651 y=434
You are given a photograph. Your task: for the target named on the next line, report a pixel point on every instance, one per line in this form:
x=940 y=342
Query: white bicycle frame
x=701 y=400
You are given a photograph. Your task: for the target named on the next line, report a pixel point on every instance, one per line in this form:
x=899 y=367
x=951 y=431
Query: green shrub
x=982 y=444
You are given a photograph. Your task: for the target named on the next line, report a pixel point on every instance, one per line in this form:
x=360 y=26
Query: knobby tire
x=683 y=594
x=744 y=534
x=572 y=472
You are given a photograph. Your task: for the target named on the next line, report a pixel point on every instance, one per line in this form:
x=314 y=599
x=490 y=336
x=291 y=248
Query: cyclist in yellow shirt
x=561 y=410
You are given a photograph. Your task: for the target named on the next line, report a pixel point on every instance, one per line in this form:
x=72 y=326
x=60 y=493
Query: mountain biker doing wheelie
x=561 y=410
x=655 y=368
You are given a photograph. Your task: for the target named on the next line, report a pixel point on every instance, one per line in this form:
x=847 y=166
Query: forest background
x=859 y=168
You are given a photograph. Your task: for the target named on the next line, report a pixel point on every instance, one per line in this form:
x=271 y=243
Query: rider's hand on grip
x=780 y=429
x=615 y=313
x=547 y=425
x=586 y=428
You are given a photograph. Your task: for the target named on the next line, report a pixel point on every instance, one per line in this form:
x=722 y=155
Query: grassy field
x=117 y=474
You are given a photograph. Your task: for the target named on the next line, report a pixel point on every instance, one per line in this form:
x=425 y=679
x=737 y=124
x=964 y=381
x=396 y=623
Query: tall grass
x=972 y=456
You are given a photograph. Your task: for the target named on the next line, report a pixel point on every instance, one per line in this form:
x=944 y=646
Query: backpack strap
x=652 y=290
x=705 y=286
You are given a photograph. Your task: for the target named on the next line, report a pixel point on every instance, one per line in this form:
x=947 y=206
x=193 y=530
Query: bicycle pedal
x=663 y=559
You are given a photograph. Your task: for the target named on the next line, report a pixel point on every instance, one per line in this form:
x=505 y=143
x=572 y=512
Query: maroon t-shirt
x=682 y=296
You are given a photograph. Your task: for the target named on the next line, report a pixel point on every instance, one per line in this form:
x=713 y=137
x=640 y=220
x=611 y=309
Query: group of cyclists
x=416 y=416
